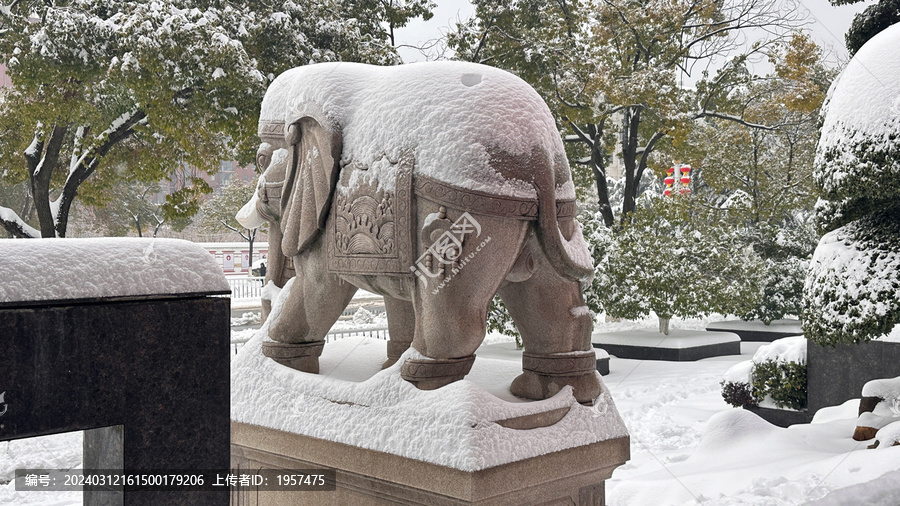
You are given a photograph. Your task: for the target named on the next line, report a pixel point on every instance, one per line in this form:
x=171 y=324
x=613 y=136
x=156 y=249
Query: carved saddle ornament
x=370 y=230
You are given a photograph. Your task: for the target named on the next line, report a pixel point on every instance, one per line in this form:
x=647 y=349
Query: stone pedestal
x=838 y=374
x=134 y=351
x=573 y=476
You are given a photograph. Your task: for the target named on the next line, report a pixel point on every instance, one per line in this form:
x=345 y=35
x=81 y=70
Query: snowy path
x=690 y=447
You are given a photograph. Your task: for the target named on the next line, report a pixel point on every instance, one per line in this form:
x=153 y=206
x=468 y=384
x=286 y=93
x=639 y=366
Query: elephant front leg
x=315 y=301
x=401 y=328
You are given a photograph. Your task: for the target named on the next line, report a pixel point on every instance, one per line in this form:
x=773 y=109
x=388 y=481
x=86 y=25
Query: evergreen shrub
x=738 y=394
x=784 y=382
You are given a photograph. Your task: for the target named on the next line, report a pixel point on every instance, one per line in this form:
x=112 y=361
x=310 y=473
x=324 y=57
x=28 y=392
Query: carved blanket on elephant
x=371 y=227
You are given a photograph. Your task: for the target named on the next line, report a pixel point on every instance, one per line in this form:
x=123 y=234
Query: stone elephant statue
x=436 y=185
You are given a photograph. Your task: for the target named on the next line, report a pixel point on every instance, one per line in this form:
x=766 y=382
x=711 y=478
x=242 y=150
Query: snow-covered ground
x=688 y=446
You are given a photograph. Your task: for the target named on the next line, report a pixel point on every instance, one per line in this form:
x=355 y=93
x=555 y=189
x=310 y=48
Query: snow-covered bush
x=787 y=251
x=784 y=382
x=738 y=394
x=776 y=375
x=674 y=260
x=852 y=293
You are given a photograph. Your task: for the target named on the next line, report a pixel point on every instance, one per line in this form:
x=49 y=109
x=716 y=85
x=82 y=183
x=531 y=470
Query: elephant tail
x=561 y=238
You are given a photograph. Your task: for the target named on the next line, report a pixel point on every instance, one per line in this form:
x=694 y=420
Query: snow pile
x=59 y=451
x=887 y=389
x=881 y=491
x=738 y=426
x=76 y=269
x=454 y=426
x=454 y=115
x=888 y=436
x=885 y=416
x=247 y=318
x=788 y=349
x=742 y=459
x=362 y=319
x=742 y=372
x=243 y=335
x=270 y=291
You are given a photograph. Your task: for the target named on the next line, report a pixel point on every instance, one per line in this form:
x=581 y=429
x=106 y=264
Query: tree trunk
x=664 y=325
x=630 y=123
x=599 y=170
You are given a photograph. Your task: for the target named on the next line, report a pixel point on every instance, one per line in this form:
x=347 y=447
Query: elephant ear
x=313 y=167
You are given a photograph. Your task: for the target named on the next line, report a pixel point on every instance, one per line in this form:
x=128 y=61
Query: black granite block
x=603 y=366
x=838 y=374
x=782 y=417
x=158 y=367
x=104 y=449
x=689 y=354
x=754 y=335
x=755 y=330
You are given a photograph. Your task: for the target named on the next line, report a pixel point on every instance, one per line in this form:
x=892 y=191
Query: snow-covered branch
x=579 y=136
x=736 y=119
x=15 y=225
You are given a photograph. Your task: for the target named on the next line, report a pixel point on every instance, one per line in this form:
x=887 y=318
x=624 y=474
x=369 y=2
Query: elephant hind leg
x=555 y=326
x=451 y=307
x=449 y=328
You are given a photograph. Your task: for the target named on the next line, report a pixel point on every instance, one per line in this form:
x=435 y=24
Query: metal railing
x=250 y=287
x=378 y=332
x=246 y=288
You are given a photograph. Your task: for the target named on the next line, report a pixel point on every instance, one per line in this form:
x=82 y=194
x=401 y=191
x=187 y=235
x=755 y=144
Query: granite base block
x=575 y=476
x=756 y=331
x=638 y=352
x=154 y=374
x=837 y=374
x=782 y=417
x=603 y=366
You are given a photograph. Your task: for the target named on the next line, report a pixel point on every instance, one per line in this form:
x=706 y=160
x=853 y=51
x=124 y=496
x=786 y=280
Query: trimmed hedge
x=784 y=382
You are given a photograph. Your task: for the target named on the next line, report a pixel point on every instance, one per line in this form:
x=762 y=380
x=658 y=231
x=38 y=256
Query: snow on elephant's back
x=452 y=115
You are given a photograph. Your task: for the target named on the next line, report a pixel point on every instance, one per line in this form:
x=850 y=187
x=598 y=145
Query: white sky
x=828 y=25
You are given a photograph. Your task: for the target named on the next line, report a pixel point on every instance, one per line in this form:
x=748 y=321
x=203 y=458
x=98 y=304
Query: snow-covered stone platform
x=470 y=442
x=679 y=345
x=756 y=330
